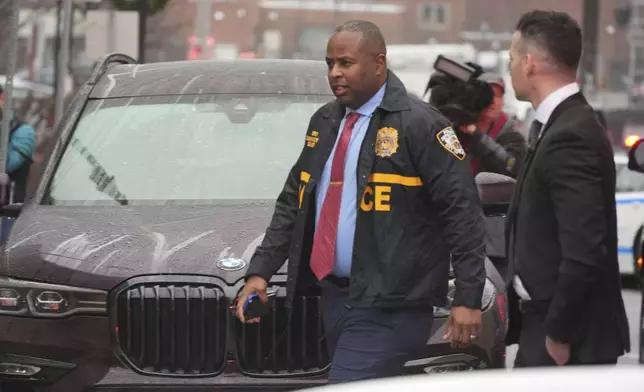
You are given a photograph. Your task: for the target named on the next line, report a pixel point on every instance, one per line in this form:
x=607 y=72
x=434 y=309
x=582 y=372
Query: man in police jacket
x=378 y=199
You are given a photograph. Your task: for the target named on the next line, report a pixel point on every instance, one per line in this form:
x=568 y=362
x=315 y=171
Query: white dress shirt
x=544 y=111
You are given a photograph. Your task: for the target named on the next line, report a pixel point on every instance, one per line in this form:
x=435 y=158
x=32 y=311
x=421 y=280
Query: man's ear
x=381 y=64
x=530 y=64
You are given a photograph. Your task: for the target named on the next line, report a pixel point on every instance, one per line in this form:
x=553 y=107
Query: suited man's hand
x=559 y=352
x=463 y=326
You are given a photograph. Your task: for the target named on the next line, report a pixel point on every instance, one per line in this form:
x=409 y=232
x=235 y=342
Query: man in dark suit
x=564 y=289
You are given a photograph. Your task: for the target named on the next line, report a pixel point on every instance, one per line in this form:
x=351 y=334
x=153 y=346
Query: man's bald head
x=372 y=38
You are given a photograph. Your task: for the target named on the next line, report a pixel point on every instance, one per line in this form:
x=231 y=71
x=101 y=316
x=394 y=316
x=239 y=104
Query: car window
x=628 y=180
x=188 y=149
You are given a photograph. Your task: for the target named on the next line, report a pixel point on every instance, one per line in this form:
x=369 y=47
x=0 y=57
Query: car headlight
x=34 y=299
x=489 y=293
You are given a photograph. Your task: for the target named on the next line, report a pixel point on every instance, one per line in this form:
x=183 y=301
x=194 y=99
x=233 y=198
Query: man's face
x=493 y=111
x=354 y=70
x=519 y=67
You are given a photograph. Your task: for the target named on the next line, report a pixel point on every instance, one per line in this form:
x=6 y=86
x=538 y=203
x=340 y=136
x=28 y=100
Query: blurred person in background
x=488 y=134
x=22 y=145
x=565 y=300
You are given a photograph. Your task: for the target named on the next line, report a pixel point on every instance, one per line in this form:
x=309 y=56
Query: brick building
x=300 y=28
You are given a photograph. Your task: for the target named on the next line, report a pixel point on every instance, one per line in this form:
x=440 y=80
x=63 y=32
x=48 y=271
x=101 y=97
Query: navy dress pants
x=367 y=343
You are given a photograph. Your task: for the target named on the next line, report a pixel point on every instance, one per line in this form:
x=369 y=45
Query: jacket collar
x=573 y=100
x=394 y=100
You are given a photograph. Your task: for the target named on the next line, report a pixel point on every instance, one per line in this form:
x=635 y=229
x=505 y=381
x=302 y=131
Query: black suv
x=121 y=268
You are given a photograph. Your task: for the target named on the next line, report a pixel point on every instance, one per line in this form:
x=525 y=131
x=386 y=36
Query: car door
x=630 y=214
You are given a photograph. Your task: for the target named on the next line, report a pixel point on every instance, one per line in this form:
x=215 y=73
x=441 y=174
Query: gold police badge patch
x=386 y=142
x=448 y=139
x=312 y=139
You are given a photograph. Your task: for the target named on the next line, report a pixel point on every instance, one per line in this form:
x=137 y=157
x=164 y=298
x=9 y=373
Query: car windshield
x=184 y=149
x=628 y=180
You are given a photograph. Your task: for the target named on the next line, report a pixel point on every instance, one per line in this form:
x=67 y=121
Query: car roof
x=244 y=76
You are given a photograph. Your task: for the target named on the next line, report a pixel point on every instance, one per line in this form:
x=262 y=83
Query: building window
x=433 y=15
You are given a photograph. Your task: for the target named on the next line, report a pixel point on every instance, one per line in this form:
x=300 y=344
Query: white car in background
x=551 y=379
x=630 y=215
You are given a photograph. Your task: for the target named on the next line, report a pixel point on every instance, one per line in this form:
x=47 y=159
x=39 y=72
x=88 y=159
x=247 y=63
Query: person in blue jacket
x=22 y=144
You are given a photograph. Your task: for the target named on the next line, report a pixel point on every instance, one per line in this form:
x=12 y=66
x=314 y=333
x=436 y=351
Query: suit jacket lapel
x=571 y=101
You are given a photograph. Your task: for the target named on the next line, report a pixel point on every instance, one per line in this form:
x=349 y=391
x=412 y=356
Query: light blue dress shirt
x=348 y=205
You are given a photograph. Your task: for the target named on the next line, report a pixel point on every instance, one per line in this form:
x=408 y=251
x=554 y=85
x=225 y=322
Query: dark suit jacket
x=562 y=235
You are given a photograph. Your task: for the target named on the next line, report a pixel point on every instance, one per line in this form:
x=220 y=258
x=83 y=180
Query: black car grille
x=171 y=329
x=182 y=326
x=276 y=347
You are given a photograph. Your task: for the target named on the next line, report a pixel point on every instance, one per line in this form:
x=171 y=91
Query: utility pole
x=203 y=25
x=636 y=40
x=591 y=42
x=59 y=18
x=63 y=59
x=111 y=29
x=144 y=10
x=8 y=93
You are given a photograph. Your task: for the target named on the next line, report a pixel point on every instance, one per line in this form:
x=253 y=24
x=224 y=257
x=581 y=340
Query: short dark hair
x=557 y=33
x=371 y=34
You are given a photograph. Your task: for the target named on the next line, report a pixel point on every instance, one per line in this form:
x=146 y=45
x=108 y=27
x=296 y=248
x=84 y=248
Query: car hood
x=100 y=247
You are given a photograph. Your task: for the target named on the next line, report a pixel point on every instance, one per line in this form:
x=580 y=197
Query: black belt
x=337 y=281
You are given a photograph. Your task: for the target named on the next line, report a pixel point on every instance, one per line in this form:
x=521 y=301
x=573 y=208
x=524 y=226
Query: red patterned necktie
x=326 y=233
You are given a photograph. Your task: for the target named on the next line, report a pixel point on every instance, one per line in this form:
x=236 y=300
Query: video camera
x=457 y=91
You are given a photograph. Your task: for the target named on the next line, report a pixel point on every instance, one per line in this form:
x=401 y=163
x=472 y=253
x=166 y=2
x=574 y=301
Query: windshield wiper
x=99 y=176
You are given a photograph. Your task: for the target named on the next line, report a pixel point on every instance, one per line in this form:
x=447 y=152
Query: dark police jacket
x=417 y=204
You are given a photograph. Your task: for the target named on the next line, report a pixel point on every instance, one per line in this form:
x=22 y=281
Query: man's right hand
x=463 y=326
x=254 y=284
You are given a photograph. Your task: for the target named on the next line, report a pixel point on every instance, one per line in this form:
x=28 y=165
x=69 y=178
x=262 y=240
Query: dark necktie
x=326 y=233
x=533 y=134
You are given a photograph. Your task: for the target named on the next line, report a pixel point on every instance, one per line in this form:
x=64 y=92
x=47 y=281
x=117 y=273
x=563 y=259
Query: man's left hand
x=559 y=352
x=463 y=326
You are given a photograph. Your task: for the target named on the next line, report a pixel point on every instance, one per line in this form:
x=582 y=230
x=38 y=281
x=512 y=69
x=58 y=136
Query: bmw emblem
x=231 y=264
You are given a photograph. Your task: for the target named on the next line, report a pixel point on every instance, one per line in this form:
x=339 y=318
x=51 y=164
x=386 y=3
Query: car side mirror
x=636 y=157
x=495 y=190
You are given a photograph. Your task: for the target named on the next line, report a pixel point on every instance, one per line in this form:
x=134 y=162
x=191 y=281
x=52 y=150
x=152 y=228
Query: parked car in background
x=23 y=88
x=630 y=215
x=636 y=164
